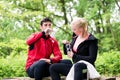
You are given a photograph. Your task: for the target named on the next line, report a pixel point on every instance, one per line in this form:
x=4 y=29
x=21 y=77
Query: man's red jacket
x=43 y=48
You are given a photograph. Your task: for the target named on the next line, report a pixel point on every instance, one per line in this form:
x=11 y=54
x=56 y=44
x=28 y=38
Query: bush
x=13 y=66
x=15 y=46
x=5 y=49
x=108 y=63
x=12 y=58
x=15 y=53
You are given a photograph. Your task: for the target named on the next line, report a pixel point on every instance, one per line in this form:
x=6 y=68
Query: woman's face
x=76 y=30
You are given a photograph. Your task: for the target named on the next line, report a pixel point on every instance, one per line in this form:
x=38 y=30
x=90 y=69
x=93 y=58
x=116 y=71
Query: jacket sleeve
x=34 y=37
x=56 y=52
x=92 y=54
x=64 y=49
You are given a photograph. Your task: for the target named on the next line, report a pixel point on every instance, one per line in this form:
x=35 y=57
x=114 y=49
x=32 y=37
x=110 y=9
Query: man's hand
x=46 y=60
x=48 y=31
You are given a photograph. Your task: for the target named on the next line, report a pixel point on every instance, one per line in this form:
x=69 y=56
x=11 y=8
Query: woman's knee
x=80 y=66
x=52 y=67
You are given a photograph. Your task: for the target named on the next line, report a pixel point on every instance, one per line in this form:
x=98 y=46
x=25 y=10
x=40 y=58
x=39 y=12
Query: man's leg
x=38 y=70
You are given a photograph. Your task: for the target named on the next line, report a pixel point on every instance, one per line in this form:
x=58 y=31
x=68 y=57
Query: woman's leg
x=78 y=68
x=60 y=68
x=38 y=70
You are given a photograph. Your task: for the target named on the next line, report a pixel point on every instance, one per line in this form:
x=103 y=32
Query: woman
x=83 y=47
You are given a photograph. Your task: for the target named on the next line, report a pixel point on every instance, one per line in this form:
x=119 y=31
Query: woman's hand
x=70 y=54
x=65 y=42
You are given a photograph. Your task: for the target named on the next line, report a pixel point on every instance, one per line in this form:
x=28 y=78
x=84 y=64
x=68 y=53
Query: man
x=41 y=47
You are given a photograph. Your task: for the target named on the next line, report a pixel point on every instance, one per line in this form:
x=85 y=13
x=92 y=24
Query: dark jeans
x=78 y=69
x=38 y=70
x=63 y=68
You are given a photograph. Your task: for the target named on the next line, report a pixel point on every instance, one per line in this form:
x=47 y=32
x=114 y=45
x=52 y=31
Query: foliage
x=5 y=50
x=32 y=5
x=14 y=47
x=20 y=18
x=66 y=34
x=105 y=39
x=108 y=63
x=12 y=66
x=109 y=41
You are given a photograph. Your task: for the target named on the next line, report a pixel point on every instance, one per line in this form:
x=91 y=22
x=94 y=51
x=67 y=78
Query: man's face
x=45 y=25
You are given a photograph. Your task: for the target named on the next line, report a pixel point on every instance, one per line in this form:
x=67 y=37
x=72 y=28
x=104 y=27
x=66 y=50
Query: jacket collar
x=45 y=37
x=91 y=37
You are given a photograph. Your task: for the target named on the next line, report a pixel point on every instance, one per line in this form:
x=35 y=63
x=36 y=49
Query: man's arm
x=56 y=52
x=34 y=37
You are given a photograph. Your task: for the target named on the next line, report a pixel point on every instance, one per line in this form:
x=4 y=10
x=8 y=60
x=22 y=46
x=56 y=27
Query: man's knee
x=41 y=63
x=67 y=61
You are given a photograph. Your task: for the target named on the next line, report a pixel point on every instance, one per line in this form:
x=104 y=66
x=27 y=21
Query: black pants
x=64 y=67
x=38 y=70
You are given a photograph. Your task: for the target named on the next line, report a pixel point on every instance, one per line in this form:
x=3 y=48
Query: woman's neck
x=83 y=35
x=79 y=40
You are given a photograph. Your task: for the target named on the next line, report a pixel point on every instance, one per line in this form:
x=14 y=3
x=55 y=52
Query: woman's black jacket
x=87 y=50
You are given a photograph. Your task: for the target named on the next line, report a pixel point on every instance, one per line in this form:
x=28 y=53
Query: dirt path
x=63 y=78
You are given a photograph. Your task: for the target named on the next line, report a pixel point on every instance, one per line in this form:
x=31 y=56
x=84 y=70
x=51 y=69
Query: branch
x=117 y=4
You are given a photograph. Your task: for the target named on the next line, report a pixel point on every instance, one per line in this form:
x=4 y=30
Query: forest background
x=20 y=18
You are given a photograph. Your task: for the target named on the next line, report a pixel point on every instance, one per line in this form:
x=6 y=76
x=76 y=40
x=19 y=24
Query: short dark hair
x=46 y=19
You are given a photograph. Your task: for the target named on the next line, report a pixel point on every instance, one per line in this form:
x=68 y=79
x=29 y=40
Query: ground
x=48 y=78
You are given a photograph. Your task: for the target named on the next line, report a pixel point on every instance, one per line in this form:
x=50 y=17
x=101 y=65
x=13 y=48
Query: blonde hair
x=80 y=23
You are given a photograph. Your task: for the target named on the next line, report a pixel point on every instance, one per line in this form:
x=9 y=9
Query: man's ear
x=40 y=27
